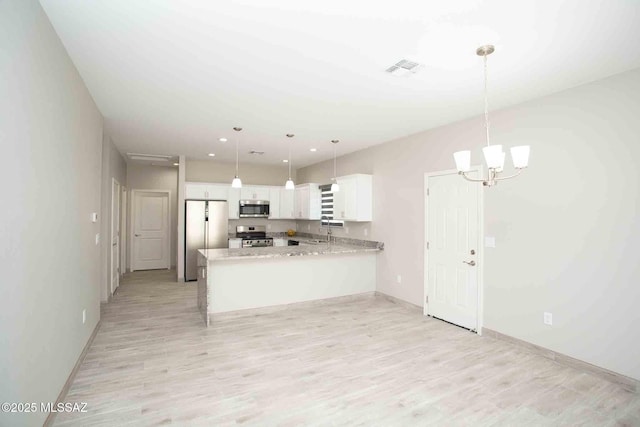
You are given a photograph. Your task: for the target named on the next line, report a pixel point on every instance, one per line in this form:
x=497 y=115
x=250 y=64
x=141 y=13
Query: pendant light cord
x=237 y=156
x=289 y=159
x=335 y=173
x=486 y=99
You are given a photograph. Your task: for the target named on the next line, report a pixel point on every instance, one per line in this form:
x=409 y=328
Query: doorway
x=116 y=221
x=150 y=230
x=453 y=254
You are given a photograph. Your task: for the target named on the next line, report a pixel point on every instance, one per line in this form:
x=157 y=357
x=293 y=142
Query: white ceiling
x=171 y=77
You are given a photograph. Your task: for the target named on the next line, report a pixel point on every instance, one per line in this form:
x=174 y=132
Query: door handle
x=471 y=263
x=137 y=235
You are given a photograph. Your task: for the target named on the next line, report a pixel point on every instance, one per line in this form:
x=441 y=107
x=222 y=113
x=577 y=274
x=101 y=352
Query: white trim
x=114 y=182
x=480 y=311
x=133 y=223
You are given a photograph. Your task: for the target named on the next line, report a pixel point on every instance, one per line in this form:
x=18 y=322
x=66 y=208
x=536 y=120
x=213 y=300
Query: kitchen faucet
x=328 y=229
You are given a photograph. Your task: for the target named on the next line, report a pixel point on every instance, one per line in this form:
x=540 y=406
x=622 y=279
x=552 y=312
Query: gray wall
x=565 y=230
x=215 y=171
x=113 y=166
x=142 y=177
x=51 y=134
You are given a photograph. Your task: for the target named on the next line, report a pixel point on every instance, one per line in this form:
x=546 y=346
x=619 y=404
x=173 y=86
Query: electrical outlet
x=84 y=316
x=548 y=318
x=399 y=279
x=98 y=239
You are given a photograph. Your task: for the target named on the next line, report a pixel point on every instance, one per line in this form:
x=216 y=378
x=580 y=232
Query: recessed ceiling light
x=176 y=164
x=285 y=161
x=211 y=155
x=313 y=150
x=223 y=140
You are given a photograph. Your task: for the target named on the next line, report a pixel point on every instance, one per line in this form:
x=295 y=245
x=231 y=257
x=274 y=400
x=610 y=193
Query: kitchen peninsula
x=249 y=278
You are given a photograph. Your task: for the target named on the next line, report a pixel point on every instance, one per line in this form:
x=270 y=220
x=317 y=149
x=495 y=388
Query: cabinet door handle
x=471 y=263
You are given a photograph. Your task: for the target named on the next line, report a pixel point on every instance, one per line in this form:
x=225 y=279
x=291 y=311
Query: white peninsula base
x=250 y=283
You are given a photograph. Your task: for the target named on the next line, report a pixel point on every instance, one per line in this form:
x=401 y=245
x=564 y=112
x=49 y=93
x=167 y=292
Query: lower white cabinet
x=279 y=242
x=235 y=243
x=354 y=201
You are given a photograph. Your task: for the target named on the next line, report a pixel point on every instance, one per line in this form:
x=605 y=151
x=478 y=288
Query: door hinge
x=427 y=245
x=426 y=299
x=427 y=191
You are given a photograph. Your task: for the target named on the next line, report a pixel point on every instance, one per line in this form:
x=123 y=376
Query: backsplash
x=343 y=240
x=273 y=225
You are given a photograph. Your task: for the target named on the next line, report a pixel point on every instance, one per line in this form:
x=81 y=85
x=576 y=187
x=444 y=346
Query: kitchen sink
x=315 y=242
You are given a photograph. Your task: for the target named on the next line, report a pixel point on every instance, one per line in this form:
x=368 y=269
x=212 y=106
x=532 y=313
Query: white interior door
x=115 y=236
x=452 y=265
x=123 y=230
x=150 y=230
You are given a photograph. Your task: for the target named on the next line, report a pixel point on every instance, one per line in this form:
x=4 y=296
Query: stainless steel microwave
x=254 y=209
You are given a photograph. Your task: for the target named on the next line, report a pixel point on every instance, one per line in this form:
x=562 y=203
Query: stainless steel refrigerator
x=206 y=227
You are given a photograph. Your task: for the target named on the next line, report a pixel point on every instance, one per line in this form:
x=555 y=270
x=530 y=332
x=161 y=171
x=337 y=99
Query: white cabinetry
x=274 y=203
x=254 y=192
x=279 y=242
x=307 y=201
x=235 y=243
x=233 y=201
x=354 y=201
x=287 y=204
x=204 y=191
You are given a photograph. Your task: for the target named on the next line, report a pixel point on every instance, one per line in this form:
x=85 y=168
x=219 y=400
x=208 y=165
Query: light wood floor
x=362 y=362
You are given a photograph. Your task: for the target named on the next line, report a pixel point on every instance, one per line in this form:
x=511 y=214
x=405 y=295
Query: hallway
x=364 y=360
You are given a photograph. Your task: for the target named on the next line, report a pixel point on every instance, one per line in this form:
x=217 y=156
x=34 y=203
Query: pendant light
x=237 y=182
x=493 y=154
x=334 y=187
x=289 y=185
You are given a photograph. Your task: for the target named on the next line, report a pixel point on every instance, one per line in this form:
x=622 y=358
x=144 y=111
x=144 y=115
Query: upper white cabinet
x=307 y=201
x=274 y=203
x=254 y=192
x=354 y=201
x=205 y=191
x=287 y=204
x=234 y=202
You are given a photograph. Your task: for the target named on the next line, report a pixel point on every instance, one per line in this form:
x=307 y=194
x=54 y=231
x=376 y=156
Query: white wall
x=142 y=177
x=51 y=135
x=113 y=167
x=565 y=230
x=215 y=171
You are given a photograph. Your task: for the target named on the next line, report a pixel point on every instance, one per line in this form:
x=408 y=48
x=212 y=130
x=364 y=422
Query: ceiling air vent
x=259 y=153
x=403 y=67
x=149 y=157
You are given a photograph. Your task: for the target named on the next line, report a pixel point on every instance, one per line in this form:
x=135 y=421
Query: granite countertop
x=284 y=251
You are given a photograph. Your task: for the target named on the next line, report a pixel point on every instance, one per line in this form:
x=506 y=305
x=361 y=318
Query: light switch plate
x=489 y=242
x=548 y=318
x=98 y=239
x=94 y=217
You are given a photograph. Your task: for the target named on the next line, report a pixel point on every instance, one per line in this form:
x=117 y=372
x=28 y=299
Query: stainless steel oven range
x=253 y=236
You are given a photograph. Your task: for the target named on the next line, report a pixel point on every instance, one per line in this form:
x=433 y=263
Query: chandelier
x=493 y=154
